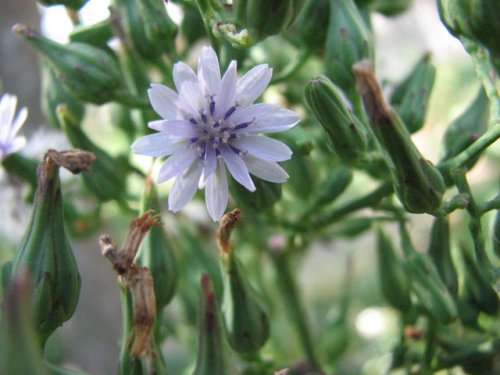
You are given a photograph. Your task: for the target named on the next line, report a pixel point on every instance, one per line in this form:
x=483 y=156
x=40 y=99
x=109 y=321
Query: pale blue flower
x=10 y=125
x=211 y=123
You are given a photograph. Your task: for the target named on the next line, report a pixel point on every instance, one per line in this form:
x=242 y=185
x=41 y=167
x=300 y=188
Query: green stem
x=493 y=204
x=294 y=307
x=338 y=213
x=475 y=217
x=292 y=67
x=473 y=150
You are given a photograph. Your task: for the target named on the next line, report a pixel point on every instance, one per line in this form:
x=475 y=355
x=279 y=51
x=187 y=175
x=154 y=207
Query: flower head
x=9 y=126
x=211 y=123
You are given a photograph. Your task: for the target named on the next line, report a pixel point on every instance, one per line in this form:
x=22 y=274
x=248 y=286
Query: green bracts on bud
x=496 y=234
x=73 y=4
x=107 y=177
x=345 y=132
x=312 y=23
x=478 y=292
x=20 y=351
x=88 y=72
x=214 y=356
x=394 y=282
x=247 y=323
x=156 y=253
x=418 y=183
x=263 y=18
x=348 y=41
x=53 y=93
x=430 y=290
x=440 y=253
x=46 y=252
x=410 y=98
x=97 y=34
x=467 y=127
x=391 y=7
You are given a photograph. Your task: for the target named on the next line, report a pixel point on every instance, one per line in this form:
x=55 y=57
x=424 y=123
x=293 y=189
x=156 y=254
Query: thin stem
x=475 y=217
x=338 y=213
x=294 y=307
x=493 y=204
x=473 y=150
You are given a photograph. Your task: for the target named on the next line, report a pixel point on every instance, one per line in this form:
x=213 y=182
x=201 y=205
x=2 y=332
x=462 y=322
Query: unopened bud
x=418 y=183
x=88 y=72
x=312 y=24
x=391 y=7
x=348 y=41
x=46 y=252
x=410 y=98
x=345 y=132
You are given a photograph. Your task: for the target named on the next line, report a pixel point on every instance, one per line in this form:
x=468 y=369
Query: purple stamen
x=230 y=111
x=242 y=125
x=212 y=106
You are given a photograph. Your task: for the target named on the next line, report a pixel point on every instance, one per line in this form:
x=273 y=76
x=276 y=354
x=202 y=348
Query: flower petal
x=182 y=74
x=209 y=161
x=163 y=100
x=263 y=147
x=236 y=167
x=184 y=188
x=8 y=105
x=216 y=192
x=253 y=84
x=191 y=98
x=176 y=164
x=209 y=71
x=266 y=170
x=157 y=144
x=18 y=121
x=177 y=128
x=225 y=96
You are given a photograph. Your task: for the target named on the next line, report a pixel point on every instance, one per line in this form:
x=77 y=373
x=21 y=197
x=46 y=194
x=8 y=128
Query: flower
x=211 y=123
x=9 y=126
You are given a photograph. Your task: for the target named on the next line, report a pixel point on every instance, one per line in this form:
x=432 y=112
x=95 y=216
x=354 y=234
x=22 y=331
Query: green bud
x=391 y=7
x=156 y=253
x=88 y=72
x=312 y=23
x=46 y=252
x=454 y=15
x=496 y=234
x=410 y=98
x=214 y=356
x=345 y=132
x=73 y=4
x=418 y=183
x=263 y=18
x=152 y=38
x=440 y=253
x=467 y=127
x=430 y=290
x=332 y=186
x=53 y=93
x=107 y=179
x=478 y=292
x=247 y=323
x=20 y=351
x=97 y=34
x=348 y=41
x=266 y=194
x=394 y=281
x=300 y=169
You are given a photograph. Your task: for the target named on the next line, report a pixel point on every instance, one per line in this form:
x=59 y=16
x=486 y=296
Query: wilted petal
x=263 y=147
x=216 y=192
x=156 y=145
x=253 y=84
x=184 y=188
x=266 y=170
x=209 y=71
x=227 y=90
x=177 y=128
x=164 y=100
x=236 y=167
x=176 y=164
